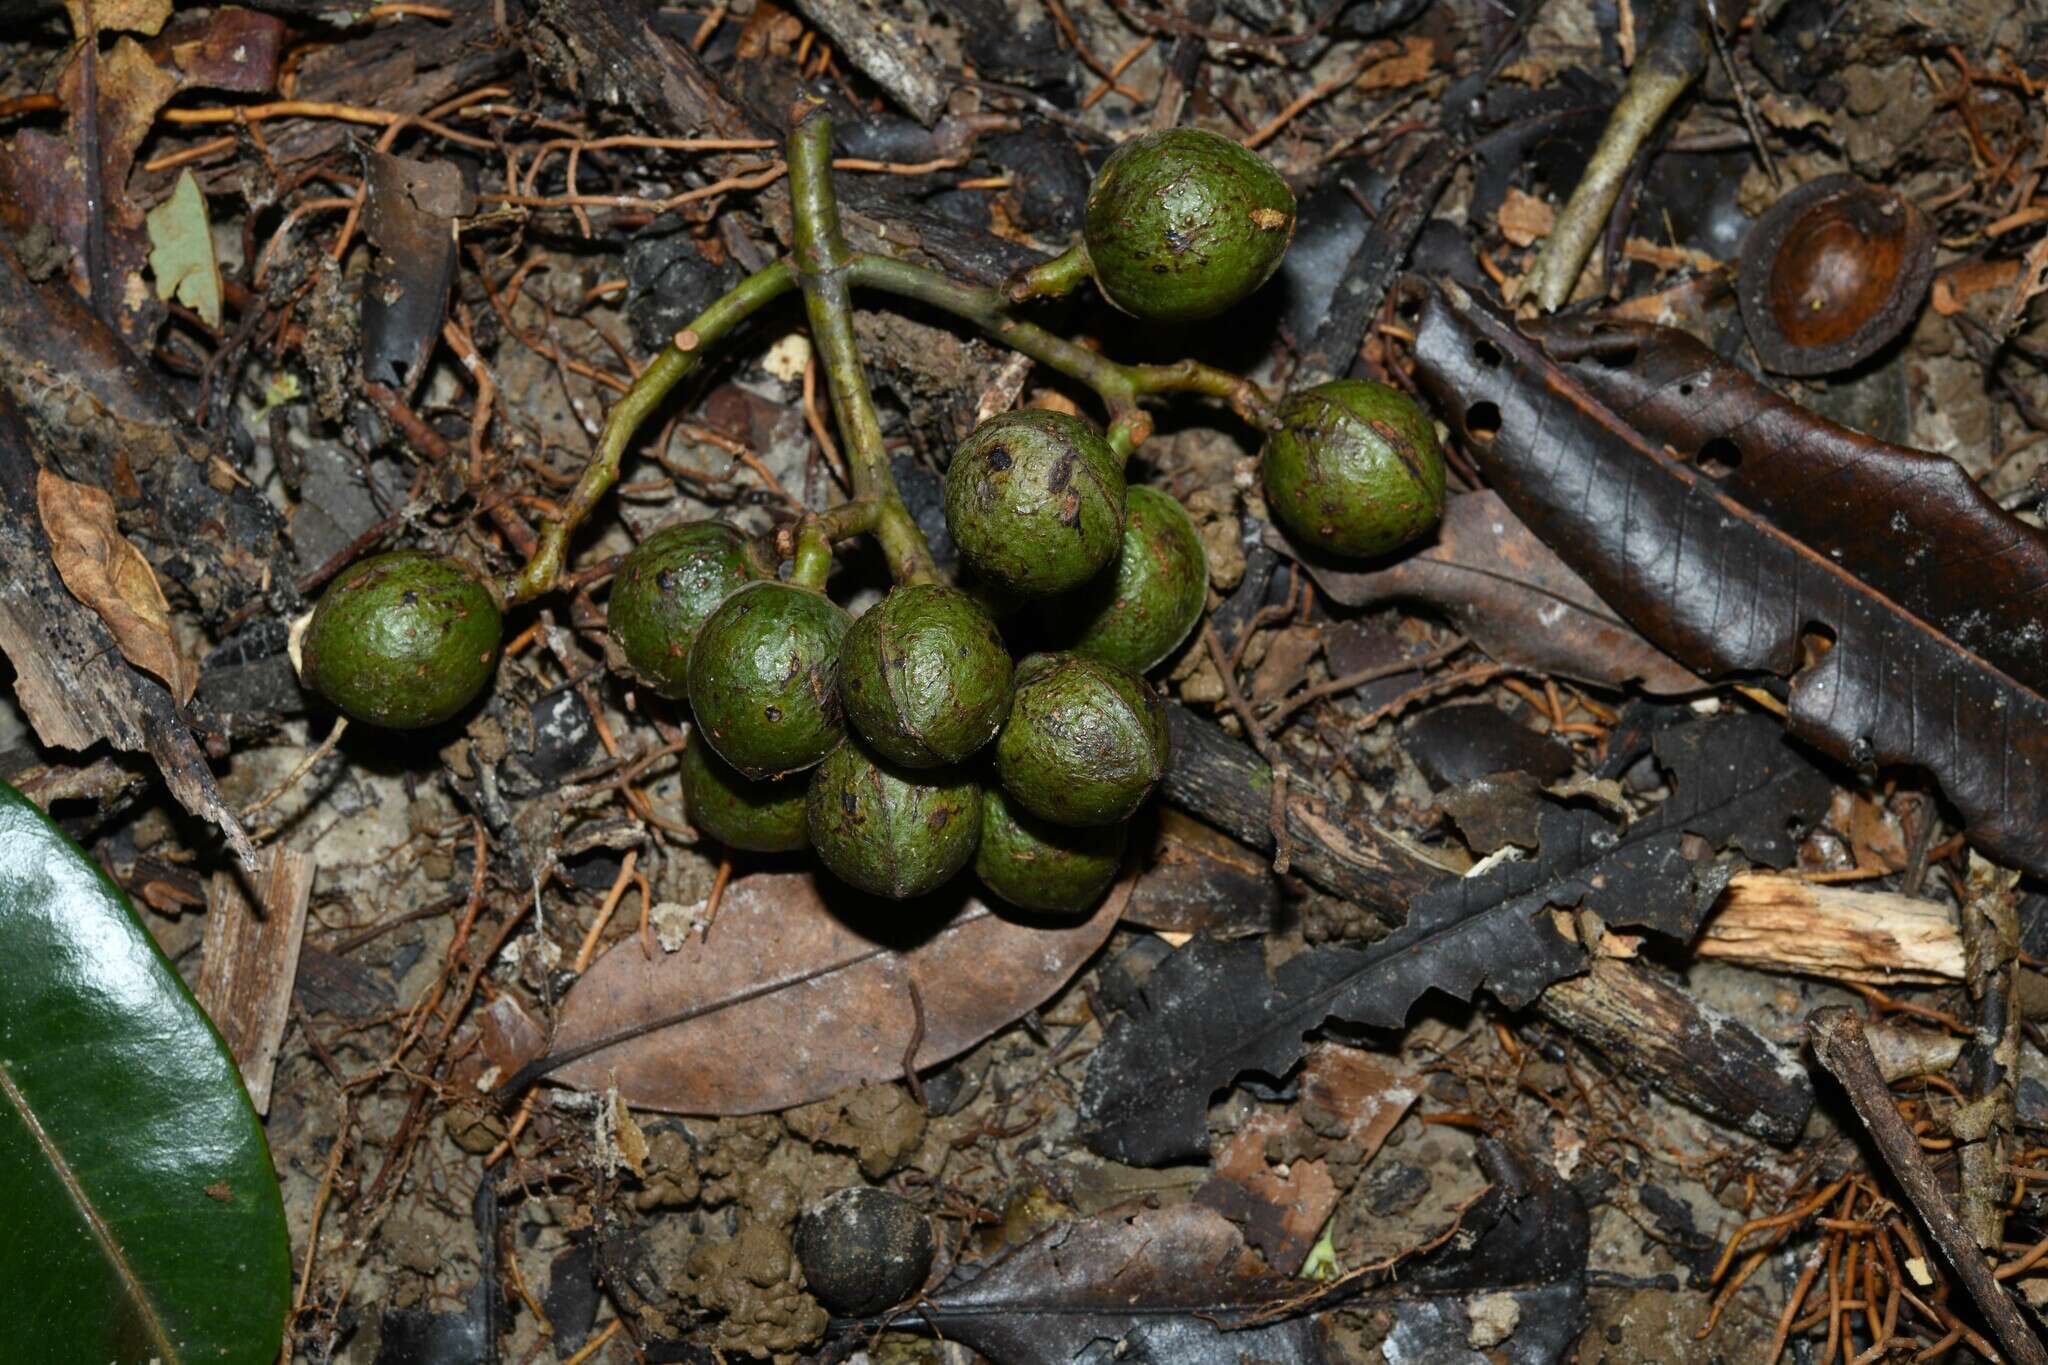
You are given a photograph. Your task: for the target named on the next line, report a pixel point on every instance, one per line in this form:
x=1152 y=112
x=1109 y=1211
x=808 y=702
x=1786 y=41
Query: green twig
x=822 y=260
x=1119 y=386
x=676 y=362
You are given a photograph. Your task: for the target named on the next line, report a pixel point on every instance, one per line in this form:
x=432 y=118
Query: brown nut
x=1831 y=273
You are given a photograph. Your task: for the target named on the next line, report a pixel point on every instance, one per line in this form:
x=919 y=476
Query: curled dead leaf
x=108 y=574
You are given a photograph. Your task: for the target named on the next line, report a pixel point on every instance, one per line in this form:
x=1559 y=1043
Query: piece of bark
x=1220 y=780
x=74 y=687
x=1837 y=1036
x=882 y=39
x=1203 y=882
x=1704 y=1059
x=100 y=417
x=250 y=958
x=410 y=218
x=1984 y=1127
x=1783 y=924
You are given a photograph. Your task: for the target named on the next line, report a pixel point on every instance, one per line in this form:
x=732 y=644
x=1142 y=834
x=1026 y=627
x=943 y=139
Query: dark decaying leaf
x=1517 y=600
x=1722 y=588
x=411 y=217
x=1215 y=1011
x=817 y=978
x=1151 y=1286
x=1526 y=1241
x=143 y=1216
x=1913 y=525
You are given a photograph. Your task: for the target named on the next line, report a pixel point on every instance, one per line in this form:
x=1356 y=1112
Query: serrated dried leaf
x=108 y=574
x=1213 y=1012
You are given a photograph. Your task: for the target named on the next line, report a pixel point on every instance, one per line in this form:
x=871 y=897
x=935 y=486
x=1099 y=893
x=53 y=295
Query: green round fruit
x=1039 y=866
x=924 y=676
x=1035 y=501
x=1354 y=468
x=1085 y=741
x=888 y=830
x=403 y=640
x=1136 y=614
x=1182 y=224
x=763 y=678
x=739 y=812
x=665 y=588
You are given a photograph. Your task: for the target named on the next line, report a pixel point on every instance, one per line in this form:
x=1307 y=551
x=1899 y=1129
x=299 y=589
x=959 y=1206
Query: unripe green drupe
x=665 y=588
x=1137 y=613
x=403 y=640
x=891 y=831
x=1183 y=224
x=1085 y=741
x=1035 y=501
x=765 y=816
x=1041 y=866
x=763 y=678
x=1354 y=468
x=924 y=677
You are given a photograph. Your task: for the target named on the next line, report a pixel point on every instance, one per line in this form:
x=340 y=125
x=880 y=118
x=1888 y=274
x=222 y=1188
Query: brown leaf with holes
x=1899 y=606
x=103 y=570
x=819 y=978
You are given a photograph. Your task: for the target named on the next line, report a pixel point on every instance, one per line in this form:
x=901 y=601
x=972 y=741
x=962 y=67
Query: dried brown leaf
x=107 y=573
x=823 y=989
x=1517 y=600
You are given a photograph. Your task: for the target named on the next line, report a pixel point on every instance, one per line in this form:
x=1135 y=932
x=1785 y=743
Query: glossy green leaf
x=142 y=1220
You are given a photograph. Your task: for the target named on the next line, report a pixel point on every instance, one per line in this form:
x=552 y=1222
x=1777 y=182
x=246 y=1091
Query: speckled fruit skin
x=739 y=812
x=664 y=589
x=863 y=1250
x=1354 y=468
x=1085 y=742
x=403 y=640
x=1035 y=501
x=924 y=676
x=1039 y=866
x=891 y=831
x=764 y=678
x=1183 y=224
x=1136 y=614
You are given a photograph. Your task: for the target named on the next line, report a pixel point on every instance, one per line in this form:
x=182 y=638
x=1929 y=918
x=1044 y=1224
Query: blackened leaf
x=144 y=1221
x=1723 y=589
x=1914 y=526
x=1213 y=1012
x=1153 y=1286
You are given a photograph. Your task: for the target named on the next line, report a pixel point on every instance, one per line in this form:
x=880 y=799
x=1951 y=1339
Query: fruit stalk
x=1119 y=386
x=822 y=261
x=675 y=363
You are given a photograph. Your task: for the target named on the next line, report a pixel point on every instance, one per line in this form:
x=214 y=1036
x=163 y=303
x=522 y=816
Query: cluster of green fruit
x=864 y=739
x=858 y=738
